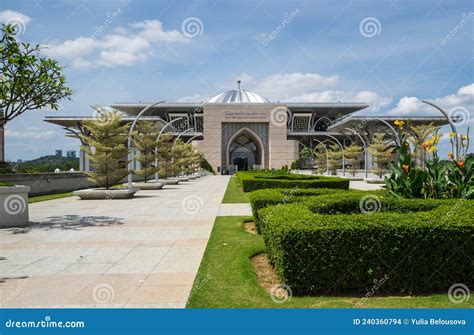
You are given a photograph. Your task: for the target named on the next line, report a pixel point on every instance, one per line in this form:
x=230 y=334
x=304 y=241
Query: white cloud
x=10 y=16
x=31 y=134
x=308 y=87
x=123 y=47
x=464 y=98
x=287 y=85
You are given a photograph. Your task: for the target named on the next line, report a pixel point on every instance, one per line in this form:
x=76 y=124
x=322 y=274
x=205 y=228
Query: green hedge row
x=273 y=196
x=251 y=181
x=408 y=246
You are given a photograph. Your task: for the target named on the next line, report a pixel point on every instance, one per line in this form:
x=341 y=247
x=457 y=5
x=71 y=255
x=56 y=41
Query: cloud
x=31 y=134
x=10 y=16
x=124 y=47
x=463 y=98
x=309 y=87
x=287 y=85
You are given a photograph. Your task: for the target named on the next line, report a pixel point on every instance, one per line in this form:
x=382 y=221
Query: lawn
x=226 y=279
x=234 y=193
x=46 y=197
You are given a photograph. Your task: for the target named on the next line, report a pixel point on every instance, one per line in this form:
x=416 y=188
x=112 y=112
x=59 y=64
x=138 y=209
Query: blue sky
x=390 y=54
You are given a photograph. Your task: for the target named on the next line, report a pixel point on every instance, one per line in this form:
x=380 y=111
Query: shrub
x=256 y=181
x=273 y=196
x=413 y=251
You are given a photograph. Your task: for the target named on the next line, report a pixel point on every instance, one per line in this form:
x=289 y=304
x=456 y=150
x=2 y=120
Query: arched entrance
x=245 y=150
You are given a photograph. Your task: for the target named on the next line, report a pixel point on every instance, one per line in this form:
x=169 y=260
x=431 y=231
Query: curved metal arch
x=313 y=126
x=451 y=123
x=397 y=137
x=129 y=141
x=342 y=149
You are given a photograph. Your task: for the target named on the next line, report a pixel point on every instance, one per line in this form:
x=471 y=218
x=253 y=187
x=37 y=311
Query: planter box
x=374 y=180
x=102 y=194
x=149 y=185
x=14 y=206
x=169 y=181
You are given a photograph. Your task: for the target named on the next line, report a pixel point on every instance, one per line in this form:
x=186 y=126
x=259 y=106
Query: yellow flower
x=399 y=123
x=436 y=139
x=452 y=134
x=405 y=168
x=428 y=143
x=432 y=148
x=450 y=155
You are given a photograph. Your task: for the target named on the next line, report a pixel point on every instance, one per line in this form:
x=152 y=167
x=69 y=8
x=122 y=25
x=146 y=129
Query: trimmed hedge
x=400 y=250
x=273 y=196
x=252 y=181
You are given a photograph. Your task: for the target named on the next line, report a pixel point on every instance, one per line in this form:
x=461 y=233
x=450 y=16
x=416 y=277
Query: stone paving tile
x=142 y=252
x=160 y=294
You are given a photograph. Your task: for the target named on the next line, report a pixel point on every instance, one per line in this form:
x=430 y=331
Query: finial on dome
x=238 y=84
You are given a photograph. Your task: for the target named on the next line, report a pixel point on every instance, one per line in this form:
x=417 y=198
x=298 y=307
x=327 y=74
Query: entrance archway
x=245 y=150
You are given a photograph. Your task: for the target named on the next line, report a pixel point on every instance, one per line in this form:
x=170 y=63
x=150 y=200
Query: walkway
x=143 y=252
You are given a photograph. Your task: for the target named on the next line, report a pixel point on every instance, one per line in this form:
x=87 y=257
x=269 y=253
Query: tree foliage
x=352 y=154
x=334 y=158
x=106 y=148
x=144 y=140
x=29 y=81
x=380 y=149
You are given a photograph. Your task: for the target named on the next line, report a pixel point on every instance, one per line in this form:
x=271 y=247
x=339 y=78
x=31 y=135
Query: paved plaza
x=142 y=252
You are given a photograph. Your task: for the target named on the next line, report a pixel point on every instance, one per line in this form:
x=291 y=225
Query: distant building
x=19 y=161
x=241 y=130
x=71 y=154
x=59 y=153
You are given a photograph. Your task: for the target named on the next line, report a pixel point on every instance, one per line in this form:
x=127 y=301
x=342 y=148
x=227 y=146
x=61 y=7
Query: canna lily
x=405 y=168
x=432 y=148
x=452 y=134
x=460 y=164
x=399 y=123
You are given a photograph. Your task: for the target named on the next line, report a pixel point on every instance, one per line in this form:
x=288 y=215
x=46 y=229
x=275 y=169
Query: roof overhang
x=352 y=121
x=76 y=121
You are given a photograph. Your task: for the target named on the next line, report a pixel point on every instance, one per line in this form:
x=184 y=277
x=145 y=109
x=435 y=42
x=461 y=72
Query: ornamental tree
x=106 y=148
x=321 y=158
x=351 y=155
x=28 y=81
x=334 y=158
x=144 y=140
x=165 y=155
x=380 y=149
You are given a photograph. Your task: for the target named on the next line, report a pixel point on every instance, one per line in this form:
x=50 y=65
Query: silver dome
x=238 y=96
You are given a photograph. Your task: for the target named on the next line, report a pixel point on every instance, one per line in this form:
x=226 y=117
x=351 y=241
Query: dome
x=238 y=96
